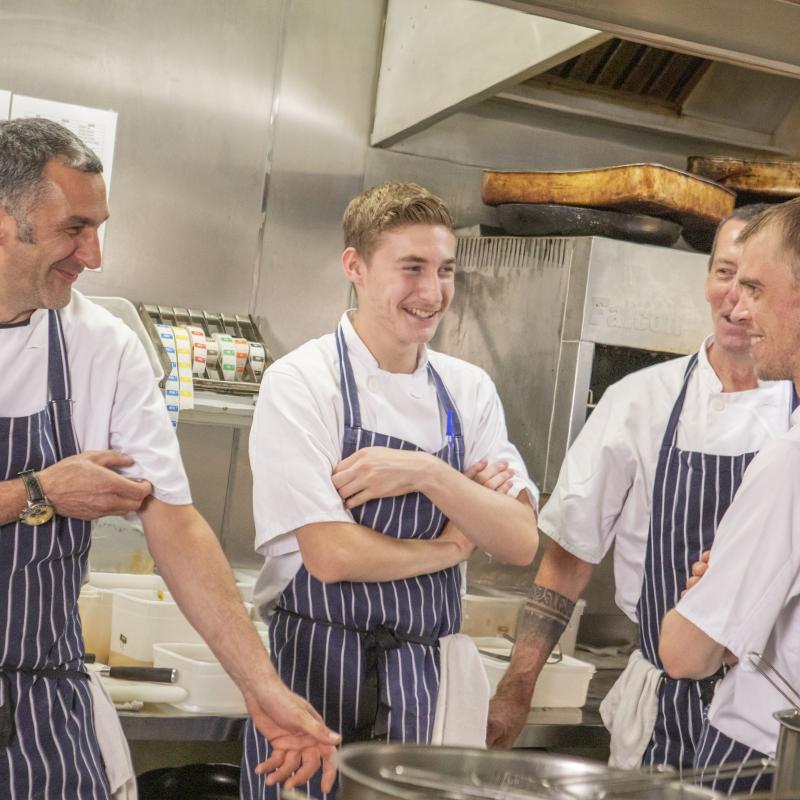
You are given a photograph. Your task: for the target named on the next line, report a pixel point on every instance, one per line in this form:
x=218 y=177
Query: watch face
x=37 y=514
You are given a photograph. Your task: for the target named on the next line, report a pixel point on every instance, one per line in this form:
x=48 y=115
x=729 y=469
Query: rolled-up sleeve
x=140 y=427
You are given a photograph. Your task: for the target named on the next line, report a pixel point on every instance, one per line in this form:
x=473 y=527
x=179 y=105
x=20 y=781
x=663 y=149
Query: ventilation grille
x=635 y=70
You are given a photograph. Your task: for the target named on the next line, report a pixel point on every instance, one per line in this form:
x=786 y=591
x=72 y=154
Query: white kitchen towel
x=629 y=711
x=113 y=744
x=462 y=706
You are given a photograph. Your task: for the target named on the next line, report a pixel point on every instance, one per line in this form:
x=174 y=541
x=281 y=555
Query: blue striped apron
x=691 y=492
x=364 y=654
x=52 y=752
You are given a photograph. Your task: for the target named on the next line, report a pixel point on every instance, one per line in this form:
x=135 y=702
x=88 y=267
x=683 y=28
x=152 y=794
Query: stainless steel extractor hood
x=725 y=73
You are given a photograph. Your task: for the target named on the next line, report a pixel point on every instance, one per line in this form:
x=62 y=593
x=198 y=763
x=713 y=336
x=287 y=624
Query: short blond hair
x=785 y=218
x=390 y=205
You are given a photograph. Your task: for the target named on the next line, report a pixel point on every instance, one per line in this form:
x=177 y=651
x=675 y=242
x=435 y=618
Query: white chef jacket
x=117 y=404
x=296 y=437
x=605 y=486
x=749 y=600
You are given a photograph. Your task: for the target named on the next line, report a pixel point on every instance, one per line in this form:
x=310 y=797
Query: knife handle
x=153 y=674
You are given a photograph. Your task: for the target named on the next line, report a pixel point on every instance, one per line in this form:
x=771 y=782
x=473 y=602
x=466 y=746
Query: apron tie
x=373 y=711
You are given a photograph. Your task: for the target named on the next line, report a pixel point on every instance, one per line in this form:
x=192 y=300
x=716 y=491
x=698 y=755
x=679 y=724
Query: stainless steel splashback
x=533 y=311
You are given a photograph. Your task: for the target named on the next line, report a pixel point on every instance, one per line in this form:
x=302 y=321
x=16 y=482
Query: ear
x=354 y=266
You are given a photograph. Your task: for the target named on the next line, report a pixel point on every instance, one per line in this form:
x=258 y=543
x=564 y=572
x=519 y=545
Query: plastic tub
x=496 y=616
x=210 y=688
x=125 y=580
x=561 y=685
x=490 y=616
x=569 y=637
x=139 y=619
x=94 y=606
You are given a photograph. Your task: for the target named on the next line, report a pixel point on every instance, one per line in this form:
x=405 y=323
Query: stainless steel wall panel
x=506 y=318
x=192 y=83
x=326 y=94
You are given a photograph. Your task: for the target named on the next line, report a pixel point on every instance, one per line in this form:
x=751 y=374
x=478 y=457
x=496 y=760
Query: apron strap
x=352 y=409
x=670 y=434
x=58 y=382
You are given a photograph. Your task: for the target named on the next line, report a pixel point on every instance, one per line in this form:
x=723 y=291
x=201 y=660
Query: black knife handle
x=153 y=674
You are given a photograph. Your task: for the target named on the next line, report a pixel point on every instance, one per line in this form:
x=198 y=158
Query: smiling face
x=770 y=306
x=64 y=223
x=404 y=288
x=722 y=290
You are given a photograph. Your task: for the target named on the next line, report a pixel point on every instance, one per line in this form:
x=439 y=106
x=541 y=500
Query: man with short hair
x=84 y=433
x=359 y=446
x=748 y=601
x=652 y=472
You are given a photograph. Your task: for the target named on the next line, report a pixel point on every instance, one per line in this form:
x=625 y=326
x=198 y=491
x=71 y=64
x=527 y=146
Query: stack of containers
x=132 y=620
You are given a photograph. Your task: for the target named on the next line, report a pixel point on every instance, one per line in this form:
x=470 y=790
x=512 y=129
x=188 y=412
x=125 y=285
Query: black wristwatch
x=39 y=509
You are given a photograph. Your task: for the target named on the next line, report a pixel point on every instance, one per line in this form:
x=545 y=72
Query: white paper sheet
x=97 y=128
x=5 y=104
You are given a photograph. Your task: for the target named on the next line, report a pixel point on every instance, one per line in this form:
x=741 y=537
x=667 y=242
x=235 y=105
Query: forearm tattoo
x=544 y=617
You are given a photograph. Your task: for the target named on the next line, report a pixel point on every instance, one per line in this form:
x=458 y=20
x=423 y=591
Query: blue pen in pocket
x=450 y=430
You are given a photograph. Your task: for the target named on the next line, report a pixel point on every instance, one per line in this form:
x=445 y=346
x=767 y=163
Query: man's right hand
x=87 y=487
x=508 y=713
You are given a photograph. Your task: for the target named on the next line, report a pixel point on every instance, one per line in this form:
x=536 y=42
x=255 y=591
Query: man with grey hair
x=746 y=607
x=651 y=472
x=83 y=434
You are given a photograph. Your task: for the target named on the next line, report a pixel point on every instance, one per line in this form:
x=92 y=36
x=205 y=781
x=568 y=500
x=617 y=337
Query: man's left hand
x=374 y=472
x=301 y=744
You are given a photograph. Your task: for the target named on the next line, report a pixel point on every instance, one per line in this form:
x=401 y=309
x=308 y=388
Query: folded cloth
x=462 y=706
x=629 y=711
x=113 y=744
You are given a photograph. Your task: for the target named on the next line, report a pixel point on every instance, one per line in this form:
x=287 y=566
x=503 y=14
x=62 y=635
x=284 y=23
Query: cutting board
x=126 y=691
x=751 y=180
x=145 y=691
x=651 y=189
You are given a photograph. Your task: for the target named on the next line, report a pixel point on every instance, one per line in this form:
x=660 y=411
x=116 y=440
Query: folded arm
x=501 y=526
x=686 y=651
x=342 y=551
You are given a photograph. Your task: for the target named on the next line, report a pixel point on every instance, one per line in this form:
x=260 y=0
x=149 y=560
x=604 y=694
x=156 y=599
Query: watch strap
x=32 y=486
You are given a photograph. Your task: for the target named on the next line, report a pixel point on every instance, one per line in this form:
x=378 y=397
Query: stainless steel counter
x=162 y=722
x=550 y=728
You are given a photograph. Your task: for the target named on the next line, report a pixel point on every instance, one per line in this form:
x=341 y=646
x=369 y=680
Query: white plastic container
x=94 y=606
x=209 y=688
x=496 y=616
x=569 y=637
x=139 y=619
x=561 y=685
x=490 y=616
x=125 y=580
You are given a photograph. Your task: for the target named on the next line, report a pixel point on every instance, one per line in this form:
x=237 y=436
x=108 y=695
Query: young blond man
x=359 y=446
